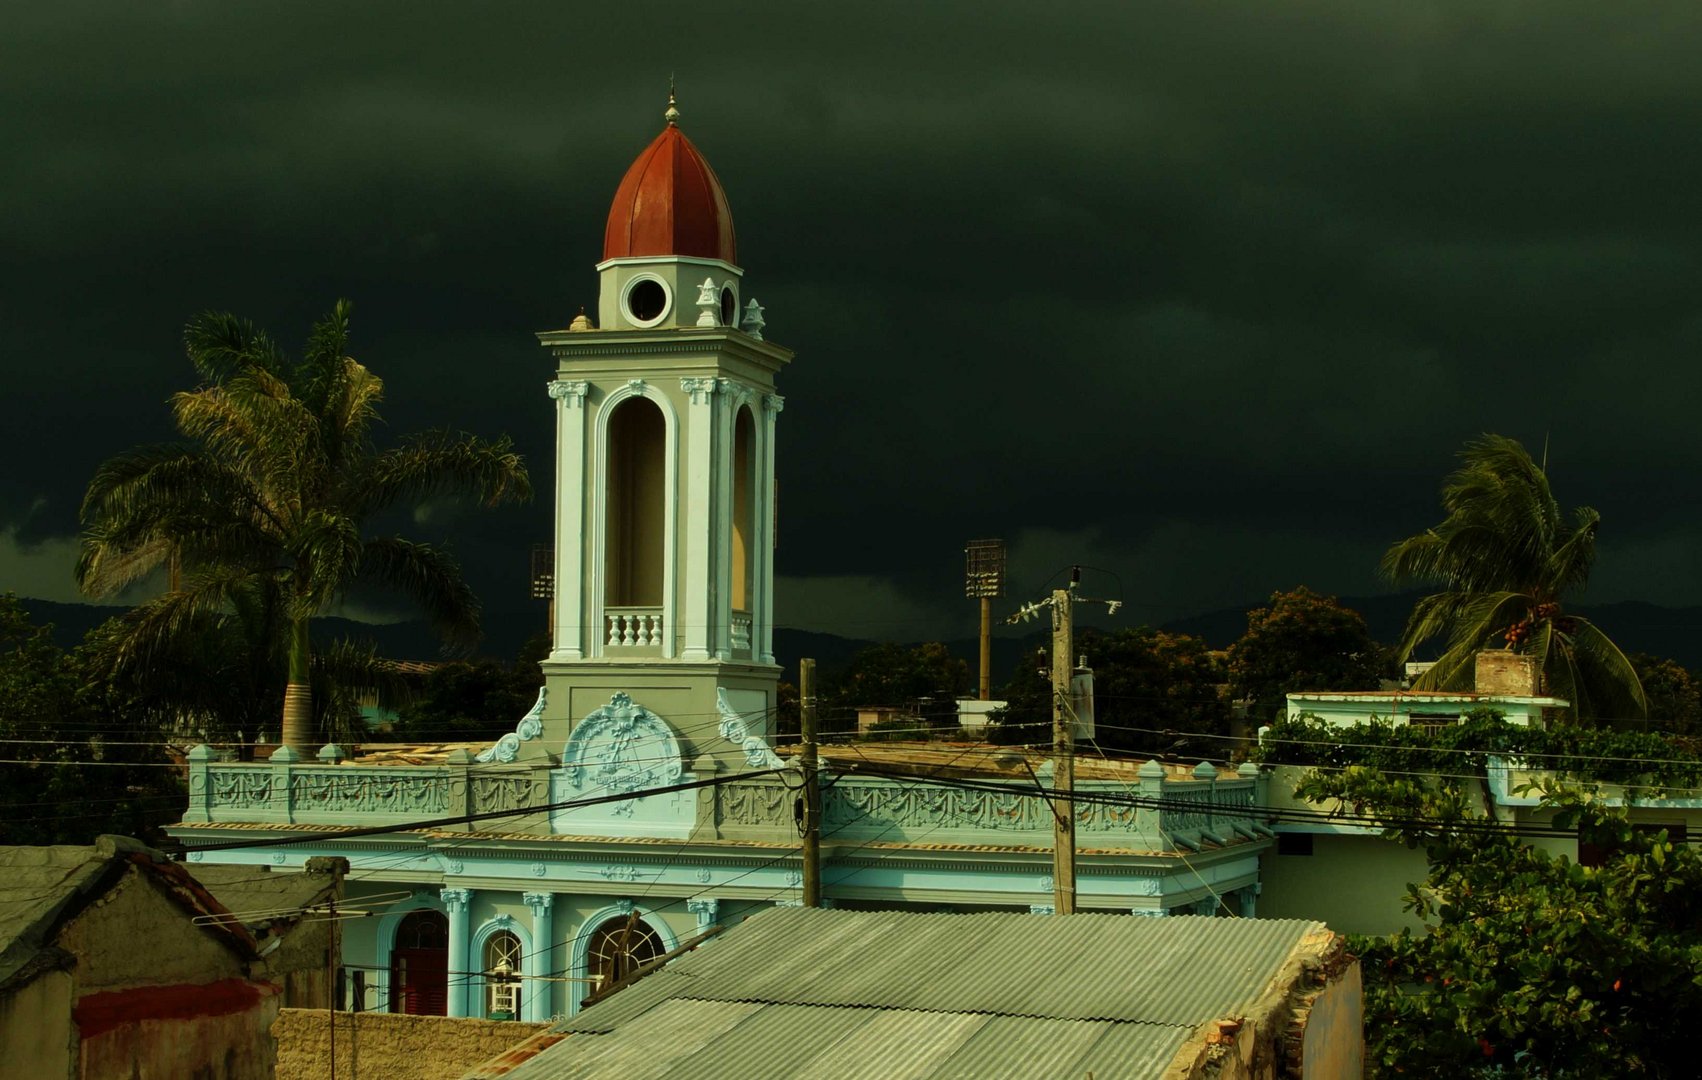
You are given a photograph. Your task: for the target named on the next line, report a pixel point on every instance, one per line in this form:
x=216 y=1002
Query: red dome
x=670 y=203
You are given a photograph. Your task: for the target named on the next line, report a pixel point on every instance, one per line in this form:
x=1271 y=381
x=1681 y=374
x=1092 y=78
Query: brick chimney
x=1502 y=671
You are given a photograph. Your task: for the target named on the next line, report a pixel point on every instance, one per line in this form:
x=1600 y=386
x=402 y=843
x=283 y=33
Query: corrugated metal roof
x=684 y=1039
x=796 y=992
x=1176 y=970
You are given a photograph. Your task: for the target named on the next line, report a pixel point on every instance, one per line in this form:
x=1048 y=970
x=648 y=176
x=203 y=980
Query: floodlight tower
x=984 y=580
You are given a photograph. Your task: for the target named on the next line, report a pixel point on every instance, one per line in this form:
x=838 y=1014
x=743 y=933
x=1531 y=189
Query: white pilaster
x=539 y=998
x=699 y=529
x=569 y=585
x=762 y=636
x=456 y=902
x=721 y=601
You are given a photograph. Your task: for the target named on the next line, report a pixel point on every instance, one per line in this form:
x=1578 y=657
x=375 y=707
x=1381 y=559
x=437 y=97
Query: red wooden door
x=419 y=965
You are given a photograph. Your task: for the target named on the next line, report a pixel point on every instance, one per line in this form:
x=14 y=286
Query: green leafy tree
x=927 y=678
x=1673 y=693
x=469 y=702
x=270 y=497
x=82 y=757
x=1504 y=558
x=1529 y=964
x=1302 y=641
x=1154 y=692
x=218 y=675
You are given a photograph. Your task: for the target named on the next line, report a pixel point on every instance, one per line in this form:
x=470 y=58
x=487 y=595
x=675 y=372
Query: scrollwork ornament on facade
x=539 y=901
x=570 y=392
x=530 y=727
x=734 y=729
x=635 y=385
x=539 y=870
x=624 y=906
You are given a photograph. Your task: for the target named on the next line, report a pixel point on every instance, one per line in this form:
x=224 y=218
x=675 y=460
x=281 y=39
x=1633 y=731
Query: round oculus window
x=646 y=300
x=729 y=307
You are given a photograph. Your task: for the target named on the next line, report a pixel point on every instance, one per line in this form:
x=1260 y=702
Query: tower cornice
x=675 y=342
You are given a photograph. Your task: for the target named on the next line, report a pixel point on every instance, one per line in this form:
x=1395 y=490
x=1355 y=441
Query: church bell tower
x=665 y=416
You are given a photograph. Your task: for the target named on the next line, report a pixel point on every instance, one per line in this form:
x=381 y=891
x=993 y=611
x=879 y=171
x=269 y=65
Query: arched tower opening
x=744 y=510
x=636 y=541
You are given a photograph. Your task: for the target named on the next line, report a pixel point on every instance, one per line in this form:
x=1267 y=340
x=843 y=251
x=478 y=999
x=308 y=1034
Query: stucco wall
x=390 y=1046
x=135 y=935
x=1334 y=1043
x=1351 y=883
x=35 y=1029
x=158 y=998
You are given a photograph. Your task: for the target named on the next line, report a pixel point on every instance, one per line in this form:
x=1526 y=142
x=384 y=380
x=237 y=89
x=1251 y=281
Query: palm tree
x=266 y=501
x=1505 y=557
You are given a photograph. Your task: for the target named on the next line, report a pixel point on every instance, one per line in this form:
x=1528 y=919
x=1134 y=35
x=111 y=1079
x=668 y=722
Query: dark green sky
x=1206 y=294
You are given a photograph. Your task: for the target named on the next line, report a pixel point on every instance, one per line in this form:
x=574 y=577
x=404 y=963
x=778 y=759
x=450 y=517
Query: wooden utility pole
x=1063 y=755
x=812 y=782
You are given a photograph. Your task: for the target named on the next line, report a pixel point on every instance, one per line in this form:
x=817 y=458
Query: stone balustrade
x=634 y=627
x=1170 y=815
x=288 y=789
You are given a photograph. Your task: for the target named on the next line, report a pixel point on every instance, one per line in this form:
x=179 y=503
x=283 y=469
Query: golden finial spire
x=672 y=116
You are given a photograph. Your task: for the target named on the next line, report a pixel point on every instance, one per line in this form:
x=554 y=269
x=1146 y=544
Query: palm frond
x=443 y=463
x=1614 y=686
x=1569 y=566
x=328 y=551
x=221 y=345
x=107 y=566
x=431 y=579
x=162 y=472
x=150 y=633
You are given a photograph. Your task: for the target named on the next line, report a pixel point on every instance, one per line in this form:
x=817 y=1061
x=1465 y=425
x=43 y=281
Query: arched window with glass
x=617 y=948
x=502 y=976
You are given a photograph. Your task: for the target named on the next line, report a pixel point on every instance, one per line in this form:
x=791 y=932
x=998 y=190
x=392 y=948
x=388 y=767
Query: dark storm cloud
x=1207 y=294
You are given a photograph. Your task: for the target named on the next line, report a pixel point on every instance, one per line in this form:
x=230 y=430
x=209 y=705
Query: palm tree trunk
x=298 y=729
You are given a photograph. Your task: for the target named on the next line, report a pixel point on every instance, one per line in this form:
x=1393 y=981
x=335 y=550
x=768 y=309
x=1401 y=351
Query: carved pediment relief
x=621 y=748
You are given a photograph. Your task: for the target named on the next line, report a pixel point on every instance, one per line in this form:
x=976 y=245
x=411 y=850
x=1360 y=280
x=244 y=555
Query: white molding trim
x=670 y=260
x=600 y=507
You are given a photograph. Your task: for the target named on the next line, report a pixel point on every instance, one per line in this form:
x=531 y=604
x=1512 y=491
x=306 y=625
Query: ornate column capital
x=539 y=901
x=773 y=402
x=456 y=899
x=700 y=389
x=704 y=909
x=571 y=393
